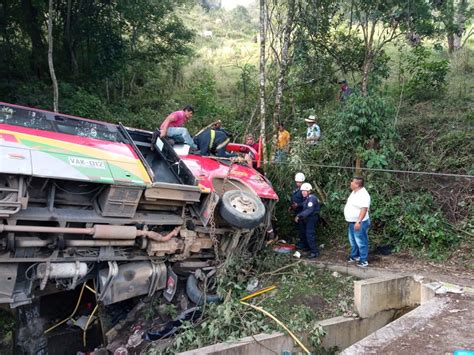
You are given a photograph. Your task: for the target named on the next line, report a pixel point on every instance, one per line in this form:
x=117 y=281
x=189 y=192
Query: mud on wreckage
x=83 y=201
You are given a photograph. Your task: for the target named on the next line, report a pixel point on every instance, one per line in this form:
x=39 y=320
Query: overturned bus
x=84 y=200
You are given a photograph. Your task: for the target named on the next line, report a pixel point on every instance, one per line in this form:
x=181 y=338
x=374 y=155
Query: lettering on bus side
x=87 y=163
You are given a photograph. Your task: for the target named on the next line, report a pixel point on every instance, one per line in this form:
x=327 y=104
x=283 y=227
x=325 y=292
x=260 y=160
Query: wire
x=268 y=314
x=396 y=171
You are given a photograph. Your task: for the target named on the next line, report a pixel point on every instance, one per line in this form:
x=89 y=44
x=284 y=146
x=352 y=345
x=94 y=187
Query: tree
x=32 y=25
x=382 y=21
x=283 y=61
x=262 y=76
x=455 y=16
x=50 y=56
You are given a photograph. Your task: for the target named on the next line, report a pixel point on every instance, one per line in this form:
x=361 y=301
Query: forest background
x=409 y=63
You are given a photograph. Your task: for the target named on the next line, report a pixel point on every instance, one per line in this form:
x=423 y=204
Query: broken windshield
x=48 y=121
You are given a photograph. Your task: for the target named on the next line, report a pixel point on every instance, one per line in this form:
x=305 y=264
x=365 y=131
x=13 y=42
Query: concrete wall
x=262 y=344
x=384 y=293
x=342 y=332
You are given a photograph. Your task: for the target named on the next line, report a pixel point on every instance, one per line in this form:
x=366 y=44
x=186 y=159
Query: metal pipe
x=99 y=231
x=99 y=243
x=32 y=242
x=37 y=229
x=38 y=243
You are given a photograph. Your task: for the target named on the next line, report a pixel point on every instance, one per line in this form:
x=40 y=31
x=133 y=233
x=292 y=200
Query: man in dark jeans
x=295 y=208
x=309 y=217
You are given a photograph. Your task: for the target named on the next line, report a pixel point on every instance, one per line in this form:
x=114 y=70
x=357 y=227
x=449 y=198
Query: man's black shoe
x=313 y=256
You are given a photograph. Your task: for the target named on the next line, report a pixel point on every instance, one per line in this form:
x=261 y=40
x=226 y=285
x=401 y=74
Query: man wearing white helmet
x=296 y=207
x=309 y=217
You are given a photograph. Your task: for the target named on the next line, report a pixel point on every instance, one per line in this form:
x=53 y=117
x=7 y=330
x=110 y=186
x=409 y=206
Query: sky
x=230 y=4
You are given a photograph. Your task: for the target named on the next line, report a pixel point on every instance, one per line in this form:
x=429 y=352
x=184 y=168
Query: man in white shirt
x=356 y=213
x=313 y=132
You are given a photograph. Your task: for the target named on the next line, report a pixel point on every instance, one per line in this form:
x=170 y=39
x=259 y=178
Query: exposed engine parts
x=73 y=271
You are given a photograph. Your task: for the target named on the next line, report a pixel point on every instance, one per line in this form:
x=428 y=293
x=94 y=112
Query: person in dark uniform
x=295 y=208
x=309 y=217
x=213 y=141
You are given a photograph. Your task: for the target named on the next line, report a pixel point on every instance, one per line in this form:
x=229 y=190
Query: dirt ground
x=449 y=331
x=447 y=271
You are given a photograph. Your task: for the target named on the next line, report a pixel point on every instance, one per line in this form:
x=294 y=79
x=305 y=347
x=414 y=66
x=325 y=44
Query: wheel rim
x=243 y=204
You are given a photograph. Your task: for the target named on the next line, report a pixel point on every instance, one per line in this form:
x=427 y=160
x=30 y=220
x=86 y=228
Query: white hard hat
x=306 y=187
x=299 y=177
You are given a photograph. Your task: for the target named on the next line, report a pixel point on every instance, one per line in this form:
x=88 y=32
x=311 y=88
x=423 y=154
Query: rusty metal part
x=99 y=231
x=157 y=237
x=190 y=243
x=104 y=231
x=161 y=248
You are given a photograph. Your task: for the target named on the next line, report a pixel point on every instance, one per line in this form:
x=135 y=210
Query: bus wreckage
x=85 y=200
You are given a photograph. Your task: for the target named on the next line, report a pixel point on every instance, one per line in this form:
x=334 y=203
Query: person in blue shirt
x=309 y=217
x=295 y=208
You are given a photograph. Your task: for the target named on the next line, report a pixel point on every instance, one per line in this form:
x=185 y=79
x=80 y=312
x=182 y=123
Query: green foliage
x=365 y=122
x=417 y=223
x=7 y=325
x=427 y=77
x=304 y=295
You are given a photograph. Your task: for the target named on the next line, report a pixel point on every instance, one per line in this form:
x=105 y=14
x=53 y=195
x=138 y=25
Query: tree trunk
x=283 y=66
x=68 y=41
x=107 y=91
x=365 y=74
x=450 y=43
x=262 y=77
x=33 y=28
x=50 y=57
x=358 y=171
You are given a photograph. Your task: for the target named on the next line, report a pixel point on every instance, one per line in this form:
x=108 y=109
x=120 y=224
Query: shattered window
x=87 y=129
x=24 y=118
x=48 y=121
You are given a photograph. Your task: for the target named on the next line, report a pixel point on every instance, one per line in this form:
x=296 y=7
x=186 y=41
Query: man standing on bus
x=173 y=125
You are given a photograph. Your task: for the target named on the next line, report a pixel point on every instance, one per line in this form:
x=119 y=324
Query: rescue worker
x=309 y=217
x=212 y=141
x=295 y=208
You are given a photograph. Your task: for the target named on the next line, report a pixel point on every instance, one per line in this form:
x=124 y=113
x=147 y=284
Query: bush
x=427 y=76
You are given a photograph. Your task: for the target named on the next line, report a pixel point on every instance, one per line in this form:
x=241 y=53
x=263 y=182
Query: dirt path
x=400 y=264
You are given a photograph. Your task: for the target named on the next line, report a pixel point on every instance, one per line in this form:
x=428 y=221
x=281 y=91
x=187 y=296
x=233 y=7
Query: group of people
x=211 y=140
x=305 y=209
x=313 y=133
x=214 y=139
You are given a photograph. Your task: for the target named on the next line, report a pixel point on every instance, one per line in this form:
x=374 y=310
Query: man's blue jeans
x=359 y=240
x=182 y=132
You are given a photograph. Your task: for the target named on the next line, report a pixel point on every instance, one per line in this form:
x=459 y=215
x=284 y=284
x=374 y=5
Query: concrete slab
x=441 y=325
x=264 y=344
x=384 y=293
